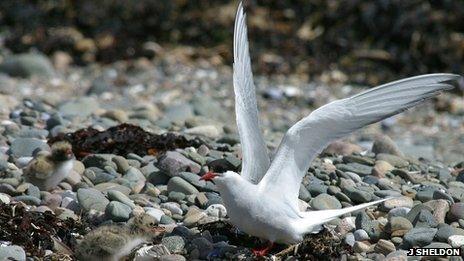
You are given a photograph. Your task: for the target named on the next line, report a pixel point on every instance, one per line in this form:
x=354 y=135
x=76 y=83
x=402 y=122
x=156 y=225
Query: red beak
x=208 y=176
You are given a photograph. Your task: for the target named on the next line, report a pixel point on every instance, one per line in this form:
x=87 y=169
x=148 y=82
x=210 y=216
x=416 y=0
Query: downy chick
x=115 y=242
x=48 y=169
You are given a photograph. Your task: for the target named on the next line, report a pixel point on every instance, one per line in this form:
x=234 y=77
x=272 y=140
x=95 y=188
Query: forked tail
x=312 y=220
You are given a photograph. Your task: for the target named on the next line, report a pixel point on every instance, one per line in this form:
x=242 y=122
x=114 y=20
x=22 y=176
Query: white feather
x=255 y=159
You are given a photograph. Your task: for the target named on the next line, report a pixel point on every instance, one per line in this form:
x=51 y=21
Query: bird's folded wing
x=308 y=137
x=255 y=159
x=40 y=168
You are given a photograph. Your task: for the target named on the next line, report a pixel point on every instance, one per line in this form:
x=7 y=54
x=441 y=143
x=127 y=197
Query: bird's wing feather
x=40 y=168
x=255 y=160
x=308 y=137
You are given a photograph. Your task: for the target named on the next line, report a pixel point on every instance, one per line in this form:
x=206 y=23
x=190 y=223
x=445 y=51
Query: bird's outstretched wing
x=308 y=137
x=255 y=159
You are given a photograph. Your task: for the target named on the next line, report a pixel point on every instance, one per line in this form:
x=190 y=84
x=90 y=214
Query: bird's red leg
x=263 y=251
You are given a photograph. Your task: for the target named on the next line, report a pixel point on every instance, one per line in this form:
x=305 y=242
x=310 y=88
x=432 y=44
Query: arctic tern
x=263 y=200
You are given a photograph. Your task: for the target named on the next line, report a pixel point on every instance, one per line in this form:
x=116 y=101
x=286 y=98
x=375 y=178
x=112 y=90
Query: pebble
x=440 y=207
x=424 y=219
x=361 y=247
x=12 y=252
x=173 y=207
x=325 y=201
x=357 y=168
x=361 y=235
x=445 y=231
x=52 y=200
x=30 y=200
x=420 y=236
x=118 y=211
x=210 y=131
x=456 y=240
x=24 y=147
x=166 y=220
x=393 y=160
x=349 y=239
x=399 y=255
x=174 y=162
x=154 y=212
x=92 y=199
x=358 y=159
x=175 y=244
x=136 y=179
x=398 y=202
x=342 y=148
x=119 y=196
x=172 y=258
x=217 y=210
x=384 y=246
x=180 y=185
x=203 y=245
x=4 y=198
x=356 y=195
x=81 y=107
x=384 y=144
x=192 y=219
x=456 y=211
x=346 y=225
x=26 y=65
x=121 y=163
x=399 y=226
x=104 y=187
x=381 y=168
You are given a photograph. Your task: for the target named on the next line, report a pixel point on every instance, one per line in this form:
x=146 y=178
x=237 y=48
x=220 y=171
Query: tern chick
x=115 y=242
x=48 y=169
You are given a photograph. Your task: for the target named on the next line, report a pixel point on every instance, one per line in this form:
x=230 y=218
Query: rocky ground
x=42 y=99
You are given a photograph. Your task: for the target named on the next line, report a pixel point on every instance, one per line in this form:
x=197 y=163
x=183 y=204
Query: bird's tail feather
x=312 y=220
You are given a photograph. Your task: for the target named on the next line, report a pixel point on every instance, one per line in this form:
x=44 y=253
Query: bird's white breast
x=259 y=214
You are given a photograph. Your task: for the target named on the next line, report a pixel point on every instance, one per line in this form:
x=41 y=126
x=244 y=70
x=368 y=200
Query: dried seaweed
x=321 y=246
x=124 y=139
x=34 y=230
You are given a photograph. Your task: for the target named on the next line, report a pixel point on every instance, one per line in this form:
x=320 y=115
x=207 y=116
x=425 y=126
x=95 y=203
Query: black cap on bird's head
x=62 y=151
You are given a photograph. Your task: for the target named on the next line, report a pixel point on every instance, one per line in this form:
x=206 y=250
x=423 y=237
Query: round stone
x=399 y=226
x=90 y=198
x=180 y=185
x=119 y=196
x=175 y=244
x=325 y=201
x=456 y=211
x=398 y=202
x=420 y=236
x=384 y=246
x=456 y=240
x=361 y=235
x=217 y=210
x=118 y=211
x=24 y=147
x=12 y=252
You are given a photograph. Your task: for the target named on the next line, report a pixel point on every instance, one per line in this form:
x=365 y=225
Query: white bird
x=263 y=200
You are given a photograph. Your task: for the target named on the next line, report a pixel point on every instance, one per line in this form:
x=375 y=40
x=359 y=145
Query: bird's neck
x=235 y=189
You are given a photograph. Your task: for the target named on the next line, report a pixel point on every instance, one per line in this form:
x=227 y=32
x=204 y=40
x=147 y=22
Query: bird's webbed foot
x=262 y=251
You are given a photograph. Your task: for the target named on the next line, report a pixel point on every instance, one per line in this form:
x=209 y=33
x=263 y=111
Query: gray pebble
x=118 y=211
x=420 y=236
x=92 y=199
x=12 y=252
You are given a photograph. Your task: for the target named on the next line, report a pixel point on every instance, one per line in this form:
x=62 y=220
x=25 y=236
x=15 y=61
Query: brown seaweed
x=124 y=139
